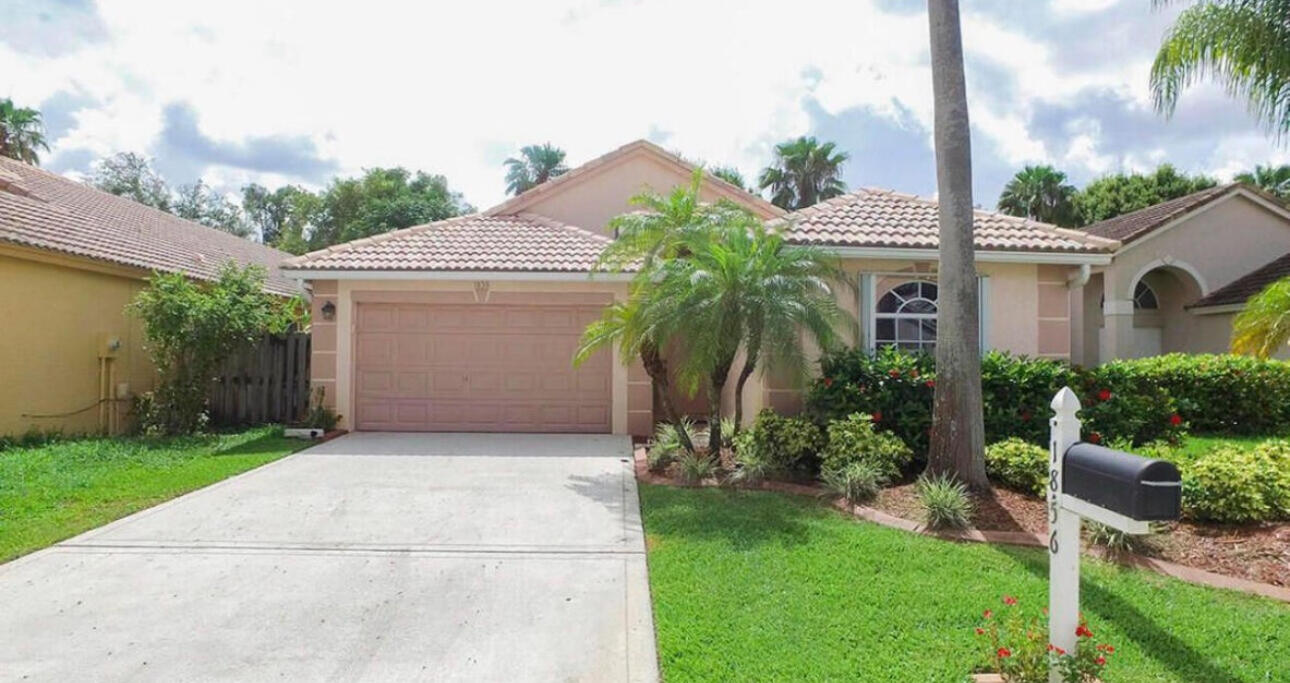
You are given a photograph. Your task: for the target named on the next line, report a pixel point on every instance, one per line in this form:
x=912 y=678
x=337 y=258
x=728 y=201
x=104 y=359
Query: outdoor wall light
x=329 y=311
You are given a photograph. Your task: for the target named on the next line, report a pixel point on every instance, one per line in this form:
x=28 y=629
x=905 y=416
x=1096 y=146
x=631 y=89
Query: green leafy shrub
x=695 y=467
x=1120 y=403
x=783 y=442
x=893 y=387
x=752 y=464
x=945 y=501
x=858 y=480
x=1016 y=392
x=1272 y=462
x=665 y=445
x=1019 y=465
x=1223 y=486
x=854 y=439
x=1224 y=393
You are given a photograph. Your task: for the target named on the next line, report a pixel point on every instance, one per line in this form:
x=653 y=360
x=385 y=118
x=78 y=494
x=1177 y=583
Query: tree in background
x=284 y=217
x=1271 y=179
x=132 y=176
x=957 y=445
x=1039 y=193
x=731 y=175
x=1263 y=328
x=535 y=165
x=381 y=200
x=21 y=133
x=1244 y=45
x=1118 y=194
x=805 y=172
x=199 y=203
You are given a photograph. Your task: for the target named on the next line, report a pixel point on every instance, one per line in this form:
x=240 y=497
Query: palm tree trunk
x=656 y=368
x=750 y=364
x=958 y=433
x=716 y=383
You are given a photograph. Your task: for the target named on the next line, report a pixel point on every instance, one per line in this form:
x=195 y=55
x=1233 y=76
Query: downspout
x=1081 y=277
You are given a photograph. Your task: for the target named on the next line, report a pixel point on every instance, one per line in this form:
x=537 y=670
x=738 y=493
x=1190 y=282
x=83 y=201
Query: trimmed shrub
x=1120 y=403
x=1016 y=392
x=1223 y=486
x=1018 y=465
x=945 y=500
x=784 y=442
x=854 y=439
x=856 y=481
x=893 y=387
x=1272 y=462
x=1226 y=393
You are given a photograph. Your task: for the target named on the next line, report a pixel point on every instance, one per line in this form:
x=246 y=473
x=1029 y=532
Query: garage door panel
x=469 y=367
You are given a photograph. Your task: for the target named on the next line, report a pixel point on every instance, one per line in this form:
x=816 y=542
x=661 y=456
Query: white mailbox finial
x=1065 y=402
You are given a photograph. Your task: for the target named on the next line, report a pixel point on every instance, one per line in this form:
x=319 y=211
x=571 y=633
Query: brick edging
x=1177 y=571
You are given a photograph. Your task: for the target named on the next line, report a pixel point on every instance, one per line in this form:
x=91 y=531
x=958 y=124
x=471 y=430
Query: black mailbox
x=1139 y=488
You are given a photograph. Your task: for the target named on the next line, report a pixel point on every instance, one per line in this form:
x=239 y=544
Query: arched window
x=906 y=317
x=1144 y=298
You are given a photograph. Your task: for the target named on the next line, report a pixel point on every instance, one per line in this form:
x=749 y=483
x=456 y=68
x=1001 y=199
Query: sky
x=284 y=92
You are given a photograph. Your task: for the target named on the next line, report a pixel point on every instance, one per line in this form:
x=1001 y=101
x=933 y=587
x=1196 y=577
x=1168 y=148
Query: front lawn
x=52 y=492
x=762 y=586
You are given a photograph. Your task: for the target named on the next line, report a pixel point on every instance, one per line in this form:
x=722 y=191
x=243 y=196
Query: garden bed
x=1256 y=552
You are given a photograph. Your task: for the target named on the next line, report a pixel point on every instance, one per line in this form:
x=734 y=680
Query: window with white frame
x=905 y=317
x=1144 y=298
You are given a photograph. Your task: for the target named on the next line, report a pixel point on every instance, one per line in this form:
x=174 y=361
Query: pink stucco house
x=469 y=324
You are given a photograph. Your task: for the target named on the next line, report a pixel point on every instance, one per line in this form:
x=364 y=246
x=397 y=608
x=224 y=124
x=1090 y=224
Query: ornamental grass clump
x=857 y=481
x=666 y=444
x=695 y=467
x=945 y=500
x=1015 y=645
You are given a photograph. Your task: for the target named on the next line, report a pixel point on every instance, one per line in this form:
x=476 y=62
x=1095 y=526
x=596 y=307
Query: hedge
x=1140 y=401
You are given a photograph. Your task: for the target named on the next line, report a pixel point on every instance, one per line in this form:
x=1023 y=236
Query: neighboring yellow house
x=71 y=259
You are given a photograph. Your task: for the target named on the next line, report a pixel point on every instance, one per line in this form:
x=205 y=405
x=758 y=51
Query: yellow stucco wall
x=54 y=312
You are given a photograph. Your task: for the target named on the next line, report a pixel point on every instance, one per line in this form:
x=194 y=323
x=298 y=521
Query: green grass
x=762 y=586
x=55 y=491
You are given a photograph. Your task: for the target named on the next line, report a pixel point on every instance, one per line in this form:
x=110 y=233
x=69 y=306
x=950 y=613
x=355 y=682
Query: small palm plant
x=1263 y=328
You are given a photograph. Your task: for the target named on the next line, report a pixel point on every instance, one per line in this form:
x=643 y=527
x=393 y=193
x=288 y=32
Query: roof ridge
x=554 y=223
x=1209 y=192
x=374 y=239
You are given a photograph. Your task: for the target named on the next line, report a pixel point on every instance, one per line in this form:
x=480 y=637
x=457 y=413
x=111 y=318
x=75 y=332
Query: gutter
x=1055 y=258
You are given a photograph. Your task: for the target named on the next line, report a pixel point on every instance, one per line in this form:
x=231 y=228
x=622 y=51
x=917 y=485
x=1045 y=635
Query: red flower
x=1025 y=415
x=1051 y=647
x=1175 y=419
x=1094 y=437
x=987 y=614
x=1104 y=395
x=914 y=373
x=1082 y=631
x=1109 y=650
x=931 y=383
x=828 y=381
x=980 y=631
x=877 y=416
x=1009 y=600
x=893 y=373
x=1004 y=652
x=1059 y=651
x=1101 y=661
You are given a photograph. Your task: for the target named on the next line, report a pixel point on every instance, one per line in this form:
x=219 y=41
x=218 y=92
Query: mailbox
x=1138 y=488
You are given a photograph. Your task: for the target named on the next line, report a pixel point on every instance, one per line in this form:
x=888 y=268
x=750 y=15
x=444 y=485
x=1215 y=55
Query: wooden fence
x=266 y=382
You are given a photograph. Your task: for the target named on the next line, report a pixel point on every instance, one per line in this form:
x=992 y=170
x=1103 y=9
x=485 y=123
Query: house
x=71 y=259
x=469 y=324
x=1183 y=270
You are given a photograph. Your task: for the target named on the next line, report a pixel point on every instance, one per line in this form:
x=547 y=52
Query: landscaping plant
x=854 y=439
x=320 y=416
x=1017 y=648
x=786 y=443
x=857 y=481
x=1239 y=486
x=190 y=328
x=1018 y=465
x=945 y=500
x=666 y=444
x=694 y=466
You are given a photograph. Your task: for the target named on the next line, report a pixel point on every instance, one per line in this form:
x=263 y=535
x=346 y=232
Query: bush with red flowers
x=1015 y=645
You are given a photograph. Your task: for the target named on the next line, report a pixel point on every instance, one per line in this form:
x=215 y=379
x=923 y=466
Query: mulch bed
x=1257 y=552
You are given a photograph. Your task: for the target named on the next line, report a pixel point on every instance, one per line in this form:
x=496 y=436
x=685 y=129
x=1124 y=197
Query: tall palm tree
x=535 y=165
x=1272 y=179
x=1242 y=44
x=805 y=172
x=958 y=432
x=1263 y=328
x=21 y=133
x=1039 y=193
x=731 y=175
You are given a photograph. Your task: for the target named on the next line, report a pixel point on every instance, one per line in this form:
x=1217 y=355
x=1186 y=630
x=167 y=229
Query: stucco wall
x=632 y=393
x=593 y=200
x=55 y=313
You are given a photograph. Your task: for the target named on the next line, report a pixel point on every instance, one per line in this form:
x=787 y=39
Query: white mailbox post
x=1120 y=490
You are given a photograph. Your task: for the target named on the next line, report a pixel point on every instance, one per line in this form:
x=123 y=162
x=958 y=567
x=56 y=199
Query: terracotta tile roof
x=882 y=218
x=517 y=203
x=1131 y=226
x=521 y=243
x=48 y=211
x=1241 y=289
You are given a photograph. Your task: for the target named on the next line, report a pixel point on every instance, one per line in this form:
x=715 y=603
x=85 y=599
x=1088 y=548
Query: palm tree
x=731 y=175
x=21 y=133
x=1272 y=179
x=1039 y=193
x=1242 y=44
x=623 y=325
x=957 y=443
x=1263 y=328
x=536 y=165
x=805 y=173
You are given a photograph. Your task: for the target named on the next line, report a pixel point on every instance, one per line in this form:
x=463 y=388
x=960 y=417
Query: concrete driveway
x=465 y=557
